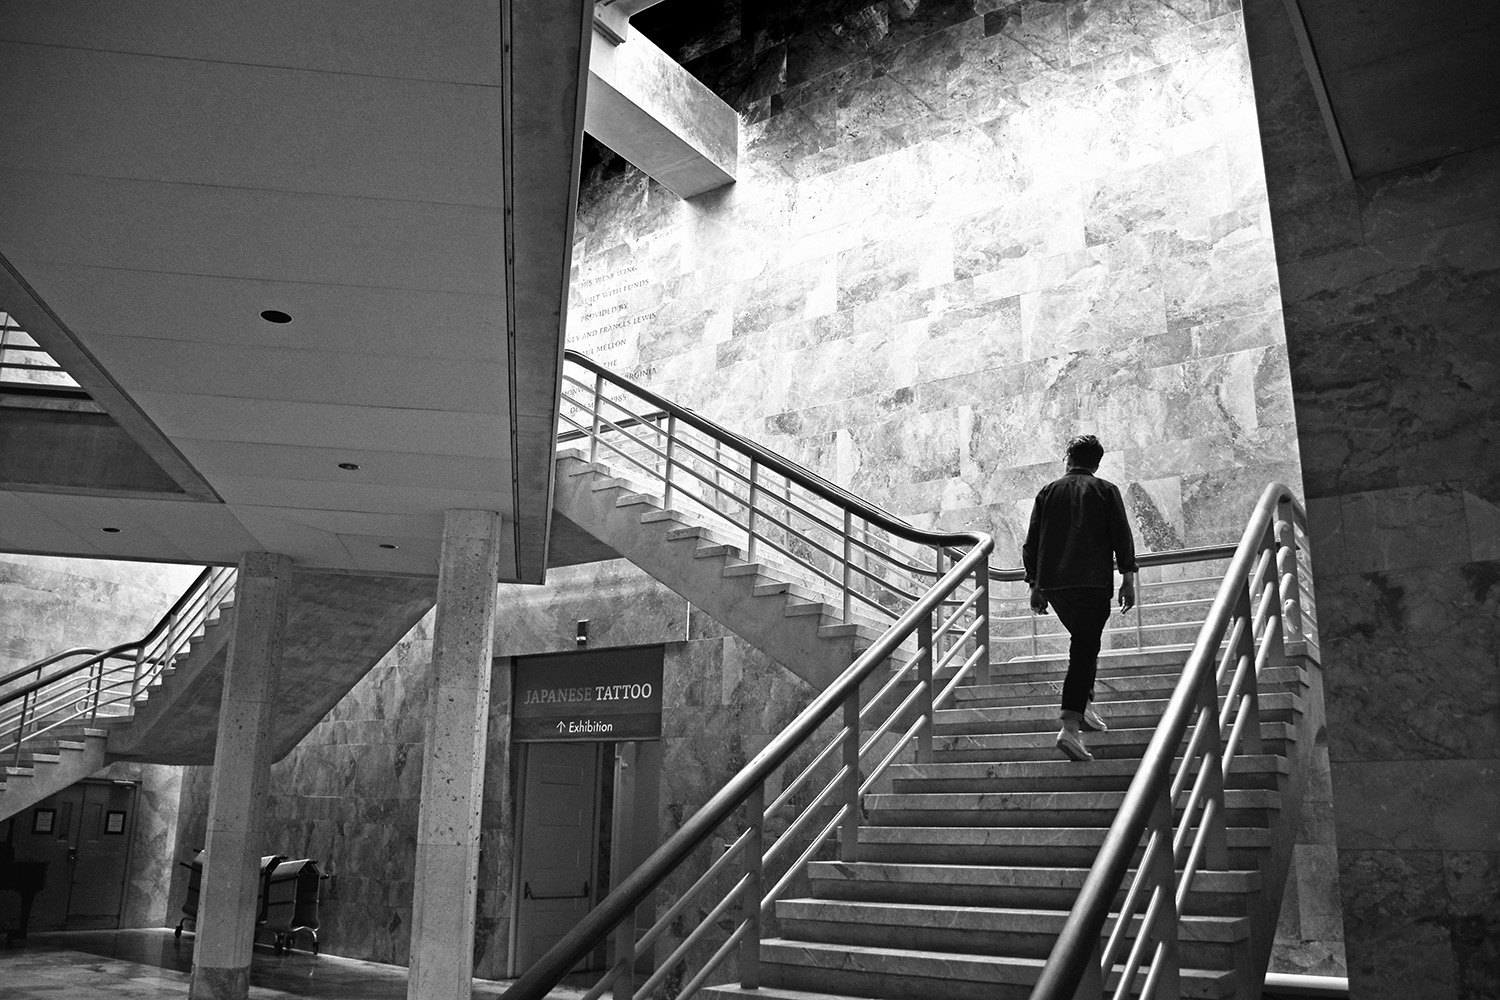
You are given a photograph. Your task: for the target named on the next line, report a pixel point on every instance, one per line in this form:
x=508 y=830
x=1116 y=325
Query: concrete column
x=242 y=764
x=442 y=933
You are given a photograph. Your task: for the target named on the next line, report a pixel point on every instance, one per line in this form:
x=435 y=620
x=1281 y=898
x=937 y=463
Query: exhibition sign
x=607 y=694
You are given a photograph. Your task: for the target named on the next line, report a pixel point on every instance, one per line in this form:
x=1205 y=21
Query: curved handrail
x=82 y=689
x=1077 y=944
x=47 y=661
x=547 y=971
x=162 y=624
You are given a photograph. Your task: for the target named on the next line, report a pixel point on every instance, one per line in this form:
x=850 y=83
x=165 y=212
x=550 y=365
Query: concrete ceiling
x=1408 y=82
x=399 y=178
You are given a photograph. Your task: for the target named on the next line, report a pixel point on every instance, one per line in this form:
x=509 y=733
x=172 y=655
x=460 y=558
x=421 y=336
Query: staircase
x=915 y=833
x=156 y=700
x=786 y=614
x=972 y=862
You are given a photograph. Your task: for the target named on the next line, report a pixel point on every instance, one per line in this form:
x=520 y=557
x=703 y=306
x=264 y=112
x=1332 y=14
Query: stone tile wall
x=1392 y=304
x=50 y=604
x=961 y=233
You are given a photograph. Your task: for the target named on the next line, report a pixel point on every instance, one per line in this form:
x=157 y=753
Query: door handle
x=526 y=893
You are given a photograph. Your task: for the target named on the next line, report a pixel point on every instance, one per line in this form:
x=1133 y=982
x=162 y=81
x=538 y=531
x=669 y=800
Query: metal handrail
x=944 y=623
x=1259 y=608
x=747 y=786
x=81 y=690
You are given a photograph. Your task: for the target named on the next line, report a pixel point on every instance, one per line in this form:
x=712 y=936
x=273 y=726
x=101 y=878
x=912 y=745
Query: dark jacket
x=1078 y=535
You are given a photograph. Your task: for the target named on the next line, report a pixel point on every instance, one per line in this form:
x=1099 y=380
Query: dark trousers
x=1083 y=611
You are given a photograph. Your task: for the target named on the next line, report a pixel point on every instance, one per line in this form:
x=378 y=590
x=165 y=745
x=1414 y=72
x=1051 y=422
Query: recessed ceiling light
x=111 y=531
x=387 y=545
x=275 y=316
x=348 y=466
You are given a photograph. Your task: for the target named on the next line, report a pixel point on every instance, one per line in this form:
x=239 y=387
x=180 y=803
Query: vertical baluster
x=848 y=557
x=598 y=416
x=1216 y=851
x=1290 y=585
x=849 y=833
x=755 y=817
x=1140 y=600
x=21 y=722
x=96 y=688
x=1164 y=876
x=754 y=505
x=1248 y=700
x=136 y=685
x=982 y=634
x=925 y=658
x=666 y=498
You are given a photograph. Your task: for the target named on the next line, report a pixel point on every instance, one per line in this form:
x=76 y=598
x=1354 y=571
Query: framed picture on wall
x=114 y=822
x=42 y=820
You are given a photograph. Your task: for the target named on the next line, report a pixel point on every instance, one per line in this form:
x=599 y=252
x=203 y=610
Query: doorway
x=559 y=859
x=83 y=835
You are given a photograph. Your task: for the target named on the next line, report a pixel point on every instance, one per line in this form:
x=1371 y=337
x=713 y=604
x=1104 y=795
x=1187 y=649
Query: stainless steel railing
x=1263 y=606
x=84 y=685
x=928 y=592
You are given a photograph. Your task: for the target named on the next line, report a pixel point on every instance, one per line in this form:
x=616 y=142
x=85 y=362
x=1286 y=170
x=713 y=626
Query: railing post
x=925 y=658
x=1290 y=586
x=848 y=557
x=754 y=500
x=1216 y=846
x=1164 y=875
x=755 y=818
x=598 y=416
x=1249 y=696
x=140 y=666
x=21 y=723
x=981 y=672
x=849 y=829
x=666 y=497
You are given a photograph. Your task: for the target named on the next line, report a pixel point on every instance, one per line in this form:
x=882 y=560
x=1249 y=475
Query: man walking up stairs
x=1077 y=524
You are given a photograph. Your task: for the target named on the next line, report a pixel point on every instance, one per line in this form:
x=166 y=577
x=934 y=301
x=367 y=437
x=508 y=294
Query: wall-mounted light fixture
x=581 y=637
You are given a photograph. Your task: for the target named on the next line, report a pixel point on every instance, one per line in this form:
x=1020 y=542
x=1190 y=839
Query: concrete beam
x=646 y=107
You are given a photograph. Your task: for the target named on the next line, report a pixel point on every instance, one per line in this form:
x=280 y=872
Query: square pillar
x=242 y=765
x=442 y=933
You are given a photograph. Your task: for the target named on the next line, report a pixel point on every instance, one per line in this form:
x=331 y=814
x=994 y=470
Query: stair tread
x=1242 y=798
x=1204 y=927
x=1061 y=877
x=959 y=770
x=819 y=953
x=1078 y=836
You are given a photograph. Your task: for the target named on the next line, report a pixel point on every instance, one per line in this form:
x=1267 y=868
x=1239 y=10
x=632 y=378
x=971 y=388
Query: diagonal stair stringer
x=773 y=608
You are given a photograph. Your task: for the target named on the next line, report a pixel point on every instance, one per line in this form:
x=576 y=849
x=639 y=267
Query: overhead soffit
x=1408 y=83
x=172 y=171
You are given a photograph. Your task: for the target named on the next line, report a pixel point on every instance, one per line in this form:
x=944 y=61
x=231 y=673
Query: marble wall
x=49 y=604
x=961 y=233
x=1392 y=303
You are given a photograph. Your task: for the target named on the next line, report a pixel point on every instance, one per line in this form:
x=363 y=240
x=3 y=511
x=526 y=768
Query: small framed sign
x=114 y=822
x=42 y=820
x=604 y=694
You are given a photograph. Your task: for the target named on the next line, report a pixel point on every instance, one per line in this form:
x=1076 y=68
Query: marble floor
x=150 y=964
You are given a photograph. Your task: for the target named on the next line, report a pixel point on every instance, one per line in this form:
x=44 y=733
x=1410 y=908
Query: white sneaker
x=1092 y=721
x=1071 y=744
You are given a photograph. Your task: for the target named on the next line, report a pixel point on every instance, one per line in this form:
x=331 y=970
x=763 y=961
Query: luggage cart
x=292 y=903
x=195 y=887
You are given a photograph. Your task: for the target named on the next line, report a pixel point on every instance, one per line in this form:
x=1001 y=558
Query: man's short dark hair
x=1085 y=451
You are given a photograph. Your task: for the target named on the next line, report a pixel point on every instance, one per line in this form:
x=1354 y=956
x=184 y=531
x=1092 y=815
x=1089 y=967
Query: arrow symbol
x=561 y=726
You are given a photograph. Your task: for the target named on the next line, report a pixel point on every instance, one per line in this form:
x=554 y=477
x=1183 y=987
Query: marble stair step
x=914 y=974
x=1110 y=661
x=1251 y=771
x=1206 y=941
x=1020 y=845
x=1037 y=746
x=1108 y=689
x=1275 y=706
x=1222 y=893
x=1248 y=807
